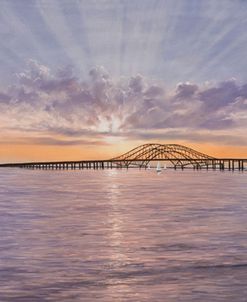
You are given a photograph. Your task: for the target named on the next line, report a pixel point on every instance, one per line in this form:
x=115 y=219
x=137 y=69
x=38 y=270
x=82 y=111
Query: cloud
x=4 y=98
x=58 y=103
x=51 y=141
x=185 y=134
x=186 y=90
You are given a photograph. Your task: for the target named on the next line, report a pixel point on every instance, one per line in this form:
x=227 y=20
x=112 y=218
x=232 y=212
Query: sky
x=91 y=79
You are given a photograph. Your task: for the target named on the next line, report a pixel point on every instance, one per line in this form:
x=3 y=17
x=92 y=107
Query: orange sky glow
x=21 y=153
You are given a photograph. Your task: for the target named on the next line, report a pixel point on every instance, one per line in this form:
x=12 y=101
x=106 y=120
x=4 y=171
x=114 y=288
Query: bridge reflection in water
x=176 y=156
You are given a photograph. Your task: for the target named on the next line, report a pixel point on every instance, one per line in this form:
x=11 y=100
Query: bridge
x=176 y=156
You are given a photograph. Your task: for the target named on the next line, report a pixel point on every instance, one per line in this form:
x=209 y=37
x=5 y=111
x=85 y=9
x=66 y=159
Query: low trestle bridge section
x=174 y=155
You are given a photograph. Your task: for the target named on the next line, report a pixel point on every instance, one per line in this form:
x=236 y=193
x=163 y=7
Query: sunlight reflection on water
x=118 y=235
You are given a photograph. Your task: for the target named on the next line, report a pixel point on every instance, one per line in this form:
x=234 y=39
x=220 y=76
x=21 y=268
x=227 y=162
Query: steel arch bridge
x=178 y=155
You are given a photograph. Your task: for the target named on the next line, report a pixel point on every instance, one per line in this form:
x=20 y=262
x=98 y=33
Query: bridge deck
x=213 y=163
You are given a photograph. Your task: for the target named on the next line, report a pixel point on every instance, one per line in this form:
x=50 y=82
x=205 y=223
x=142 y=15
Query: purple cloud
x=4 y=98
x=59 y=103
x=186 y=90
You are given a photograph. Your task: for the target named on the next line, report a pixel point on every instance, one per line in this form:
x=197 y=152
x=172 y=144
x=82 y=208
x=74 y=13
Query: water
x=118 y=235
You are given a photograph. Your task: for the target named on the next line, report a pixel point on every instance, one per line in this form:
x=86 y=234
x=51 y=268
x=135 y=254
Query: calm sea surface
x=118 y=235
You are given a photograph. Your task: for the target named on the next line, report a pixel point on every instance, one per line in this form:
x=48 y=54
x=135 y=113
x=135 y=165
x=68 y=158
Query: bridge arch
x=178 y=155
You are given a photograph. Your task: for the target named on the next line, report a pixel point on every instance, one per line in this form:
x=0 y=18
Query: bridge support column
x=214 y=165
x=223 y=165
x=239 y=165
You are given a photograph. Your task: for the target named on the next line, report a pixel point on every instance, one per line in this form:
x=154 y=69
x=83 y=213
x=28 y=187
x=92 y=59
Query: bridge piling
x=239 y=165
x=222 y=165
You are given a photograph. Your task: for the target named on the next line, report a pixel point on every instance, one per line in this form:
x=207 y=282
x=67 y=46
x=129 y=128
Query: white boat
x=158 y=168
